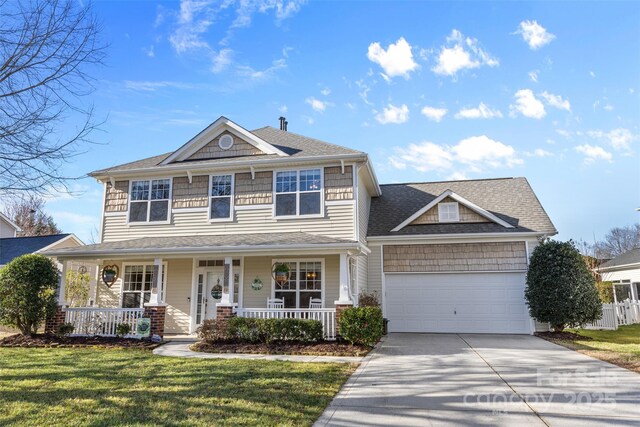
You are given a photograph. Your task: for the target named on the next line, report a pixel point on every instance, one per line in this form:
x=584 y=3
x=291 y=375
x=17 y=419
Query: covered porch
x=209 y=277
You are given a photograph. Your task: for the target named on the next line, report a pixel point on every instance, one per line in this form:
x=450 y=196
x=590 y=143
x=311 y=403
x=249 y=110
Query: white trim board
x=448 y=193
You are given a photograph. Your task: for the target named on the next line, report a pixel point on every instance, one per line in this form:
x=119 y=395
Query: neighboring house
x=13 y=247
x=8 y=228
x=195 y=233
x=624 y=272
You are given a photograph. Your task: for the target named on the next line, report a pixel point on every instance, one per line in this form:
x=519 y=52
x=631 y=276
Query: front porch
x=180 y=291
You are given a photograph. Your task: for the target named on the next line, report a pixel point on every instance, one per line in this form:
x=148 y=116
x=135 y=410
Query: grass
x=620 y=347
x=78 y=387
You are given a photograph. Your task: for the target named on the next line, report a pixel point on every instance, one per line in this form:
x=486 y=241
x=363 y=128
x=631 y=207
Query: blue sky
x=432 y=90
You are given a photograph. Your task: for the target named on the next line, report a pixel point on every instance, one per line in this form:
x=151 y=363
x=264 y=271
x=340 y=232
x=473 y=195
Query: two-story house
x=197 y=233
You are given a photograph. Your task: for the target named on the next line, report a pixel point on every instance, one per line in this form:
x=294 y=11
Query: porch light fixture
x=311 y=275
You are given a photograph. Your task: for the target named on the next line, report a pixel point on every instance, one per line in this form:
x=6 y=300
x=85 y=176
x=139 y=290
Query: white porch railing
x=327 y=316
x=617 y=314
x=89 y=321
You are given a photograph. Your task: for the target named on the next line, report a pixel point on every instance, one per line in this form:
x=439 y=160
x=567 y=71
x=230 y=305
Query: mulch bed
x=50 y=340
x=326 y=348
x=568 y=336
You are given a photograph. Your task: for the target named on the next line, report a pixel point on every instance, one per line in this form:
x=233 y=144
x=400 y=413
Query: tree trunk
x=558 y=328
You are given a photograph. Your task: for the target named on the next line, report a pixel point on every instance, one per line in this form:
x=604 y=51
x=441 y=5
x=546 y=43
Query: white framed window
x=149 y=201
x=448 y=212
x=298 y=193
x=306 y=281
x=137 y=282
x=221 y=193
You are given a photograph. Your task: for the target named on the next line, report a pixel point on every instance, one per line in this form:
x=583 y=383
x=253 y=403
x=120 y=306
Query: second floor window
x=298 y=192
x=221 y=194
x=150 y=200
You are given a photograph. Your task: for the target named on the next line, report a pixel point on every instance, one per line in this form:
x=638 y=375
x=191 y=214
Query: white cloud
x=457 y=176
x=283 y=109
x=397 y=60
x=565 y=133
x=150 y=51
x=533 y=75
x=326 y=91
x=476 y=153
x=620 y=139
x=316 y=104
x=460 y=53
x=534 y=34
x=608 y=107
x=433 y=113
x=221 y=60
x=481 y=112
x=556 y=101
x=538 y=152
x=527 y=105
x=592 y=74
x=257 y=75
x=593 y=152
x=393 y=114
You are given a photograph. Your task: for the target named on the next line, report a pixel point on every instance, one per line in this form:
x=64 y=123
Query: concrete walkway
x=181 y=349
x=482 y=380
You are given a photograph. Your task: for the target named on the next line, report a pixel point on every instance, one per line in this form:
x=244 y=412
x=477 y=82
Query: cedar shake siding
x=213 y=151
x=466 y=215
x=258 y=191
x=194 y=195
x=338 y=185
x=456 y=257
x=117 y=197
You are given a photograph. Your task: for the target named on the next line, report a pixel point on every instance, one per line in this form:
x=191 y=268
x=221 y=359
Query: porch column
x=344 y=298
x=225 y=308
x=155 y=309
x=62 y=289
x=157 y=292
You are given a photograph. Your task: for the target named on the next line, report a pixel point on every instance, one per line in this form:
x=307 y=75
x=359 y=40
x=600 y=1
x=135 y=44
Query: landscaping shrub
x=261 y=330
x=368 y=299
x=27 y=292
x=123 y=329
x=560 y=288
x=605 y=292
x=361 y=325
x=65 y=329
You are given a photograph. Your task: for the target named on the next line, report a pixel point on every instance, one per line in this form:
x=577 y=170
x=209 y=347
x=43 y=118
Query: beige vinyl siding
x=110 y=297
x=455 y=257
x=177 y=293
x=632 y=274
x=338 y=223
x=261 y=267
x=362 y=269
x=374 y=267
x=364 y=207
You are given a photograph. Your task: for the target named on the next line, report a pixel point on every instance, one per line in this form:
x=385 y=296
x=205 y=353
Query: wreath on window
x=110 y=274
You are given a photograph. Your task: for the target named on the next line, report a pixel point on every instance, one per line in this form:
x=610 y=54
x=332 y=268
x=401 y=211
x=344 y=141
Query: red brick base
x=339 y=309
x=156 y=314
x=53 y=322
x=224 y=312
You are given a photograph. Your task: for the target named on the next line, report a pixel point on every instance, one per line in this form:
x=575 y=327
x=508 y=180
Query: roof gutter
x=455 y=236
x=621 y=266
x=184 y=166
x=373 y=176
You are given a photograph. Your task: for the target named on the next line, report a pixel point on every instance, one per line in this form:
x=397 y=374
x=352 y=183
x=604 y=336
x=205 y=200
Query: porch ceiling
x=264 y=242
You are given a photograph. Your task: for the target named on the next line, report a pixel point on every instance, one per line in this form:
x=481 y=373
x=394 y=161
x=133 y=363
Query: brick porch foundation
x=224 y=312
x=53 y=322
x=156 y=313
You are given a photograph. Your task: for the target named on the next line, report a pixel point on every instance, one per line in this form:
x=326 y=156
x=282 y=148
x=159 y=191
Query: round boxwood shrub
x=27 y=292
x=560 y=288
x=361 y=325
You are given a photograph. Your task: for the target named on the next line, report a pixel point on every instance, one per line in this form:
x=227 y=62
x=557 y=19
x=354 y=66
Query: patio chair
x=275 y=303
x=315 y=303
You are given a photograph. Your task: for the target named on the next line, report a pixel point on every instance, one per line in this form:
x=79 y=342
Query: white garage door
x=453 y=302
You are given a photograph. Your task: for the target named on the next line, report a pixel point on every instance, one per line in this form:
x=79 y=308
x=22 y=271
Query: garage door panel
x=450 y=303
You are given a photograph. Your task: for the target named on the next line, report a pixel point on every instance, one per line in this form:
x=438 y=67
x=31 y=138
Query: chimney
x=283 y=123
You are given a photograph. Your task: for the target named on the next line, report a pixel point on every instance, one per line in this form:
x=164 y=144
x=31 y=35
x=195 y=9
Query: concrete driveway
x=475 y=380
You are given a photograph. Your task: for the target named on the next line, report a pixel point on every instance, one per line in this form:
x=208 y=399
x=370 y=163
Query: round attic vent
x=225 y=142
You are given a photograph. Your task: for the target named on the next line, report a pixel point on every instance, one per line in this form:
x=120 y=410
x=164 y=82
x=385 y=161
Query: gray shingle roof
x=296 y=146
x=629 y=257
x=150 y=244
x=510 y=199
x=13 y=247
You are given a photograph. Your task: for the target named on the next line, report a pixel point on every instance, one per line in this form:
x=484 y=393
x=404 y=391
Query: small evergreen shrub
x=123 y=329
x=265 y=331
x=65 y=329
x=213 y=330
x=361 y=325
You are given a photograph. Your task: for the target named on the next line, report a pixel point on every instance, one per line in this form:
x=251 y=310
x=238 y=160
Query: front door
x=209 y=283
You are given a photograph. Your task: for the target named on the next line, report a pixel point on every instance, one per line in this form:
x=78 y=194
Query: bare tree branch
x=46 y=50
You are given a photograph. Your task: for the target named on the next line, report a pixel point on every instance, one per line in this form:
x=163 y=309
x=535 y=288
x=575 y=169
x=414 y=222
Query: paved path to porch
x=483 y=380
x=181 y=349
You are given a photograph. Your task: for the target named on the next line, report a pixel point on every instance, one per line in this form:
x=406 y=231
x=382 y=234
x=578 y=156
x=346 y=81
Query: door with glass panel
x=209 y=283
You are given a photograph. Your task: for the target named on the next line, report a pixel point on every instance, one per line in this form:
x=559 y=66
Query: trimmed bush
x=123 y=329
x=368 y=299
x=65 y=329
x=361 y=325
x=560 y=288
x=260 y=330
x=27 y=292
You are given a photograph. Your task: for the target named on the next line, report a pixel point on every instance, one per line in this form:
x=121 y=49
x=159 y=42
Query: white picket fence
x=617 y=314
x=89 y=321
x=327 y=316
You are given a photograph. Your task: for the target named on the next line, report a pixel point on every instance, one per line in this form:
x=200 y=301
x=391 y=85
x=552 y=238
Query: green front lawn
x=133 y=387
x=620 y=347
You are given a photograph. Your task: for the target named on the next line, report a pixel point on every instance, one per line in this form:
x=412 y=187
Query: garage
x=457 y=303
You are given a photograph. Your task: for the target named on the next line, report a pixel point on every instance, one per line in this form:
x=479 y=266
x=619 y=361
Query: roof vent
x=283 y=123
